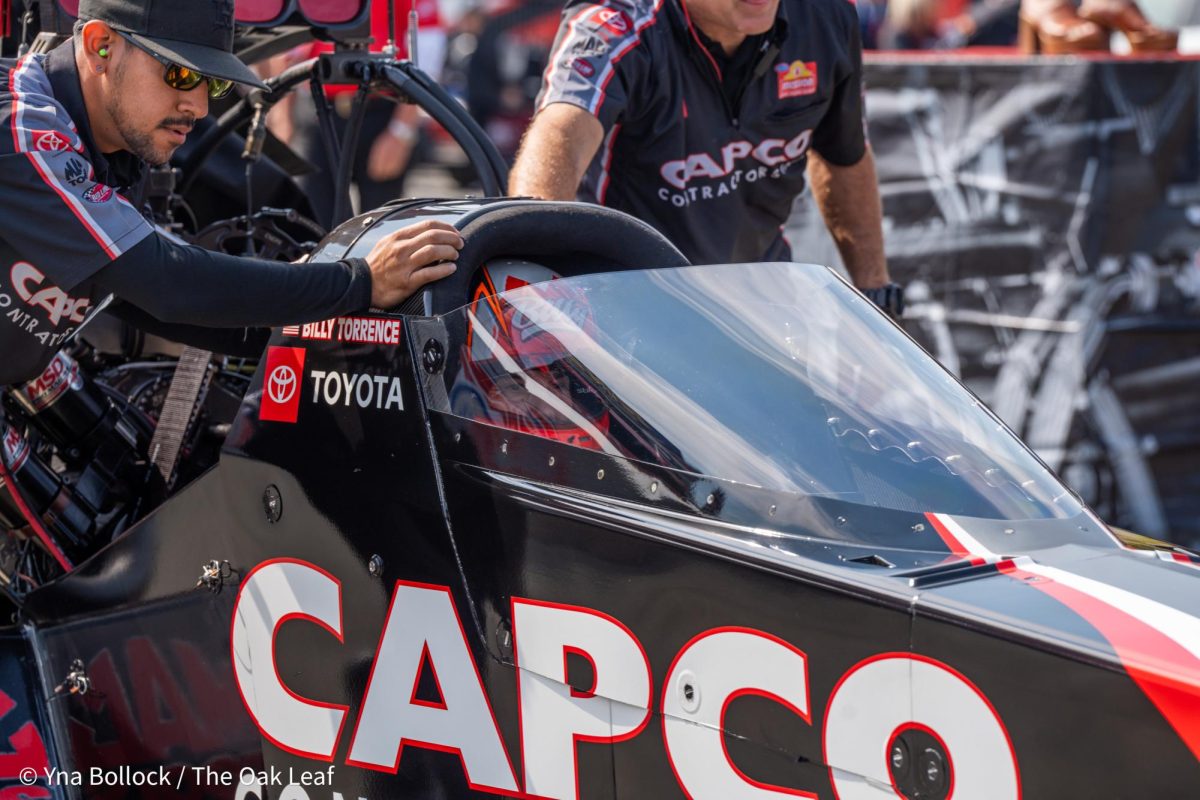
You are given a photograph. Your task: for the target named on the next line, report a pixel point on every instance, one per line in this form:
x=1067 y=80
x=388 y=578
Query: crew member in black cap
x=78 y=127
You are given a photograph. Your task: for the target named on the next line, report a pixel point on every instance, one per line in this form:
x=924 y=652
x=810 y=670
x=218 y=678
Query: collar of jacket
x=122 y=170
x=689 y=35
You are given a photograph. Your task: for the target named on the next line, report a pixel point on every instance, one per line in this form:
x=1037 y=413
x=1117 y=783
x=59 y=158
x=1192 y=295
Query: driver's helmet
x=517 y=369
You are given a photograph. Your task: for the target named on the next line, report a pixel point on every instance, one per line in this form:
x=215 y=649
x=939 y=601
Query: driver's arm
x=238 y=342
x=183 y=284
x=559 y=145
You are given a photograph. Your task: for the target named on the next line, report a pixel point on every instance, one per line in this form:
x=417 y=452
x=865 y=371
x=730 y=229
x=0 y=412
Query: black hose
x=345 y=165
x=325 y=126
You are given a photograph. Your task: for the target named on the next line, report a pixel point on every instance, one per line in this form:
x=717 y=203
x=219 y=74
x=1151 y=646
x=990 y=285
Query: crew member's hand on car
x=405 y=260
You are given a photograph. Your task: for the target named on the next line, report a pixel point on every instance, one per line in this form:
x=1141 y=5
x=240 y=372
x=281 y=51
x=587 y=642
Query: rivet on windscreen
x=920 y=526
x=552 y=461
x=458 y=437
x=654 y=487
x=773 y=510
x=841 y=520
x=708 y=501
x=504 y=447
x=599 y=474
x=368 y=222
x=1009 y=531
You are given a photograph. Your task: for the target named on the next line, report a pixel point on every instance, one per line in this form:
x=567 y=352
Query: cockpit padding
x=569 y=238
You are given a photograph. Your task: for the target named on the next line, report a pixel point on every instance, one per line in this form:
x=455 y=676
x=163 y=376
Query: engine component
x=49 y=500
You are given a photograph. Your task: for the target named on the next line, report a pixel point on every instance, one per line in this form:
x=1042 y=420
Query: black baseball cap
x=197 y=34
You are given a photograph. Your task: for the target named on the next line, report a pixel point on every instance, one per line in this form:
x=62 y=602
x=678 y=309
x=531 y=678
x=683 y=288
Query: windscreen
x=778 y=376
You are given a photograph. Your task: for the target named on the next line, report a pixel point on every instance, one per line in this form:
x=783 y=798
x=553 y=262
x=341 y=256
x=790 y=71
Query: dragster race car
x=572 y=526
x=581 y=521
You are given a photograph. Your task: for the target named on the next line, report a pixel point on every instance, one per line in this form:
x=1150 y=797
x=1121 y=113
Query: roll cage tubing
x=367 y=71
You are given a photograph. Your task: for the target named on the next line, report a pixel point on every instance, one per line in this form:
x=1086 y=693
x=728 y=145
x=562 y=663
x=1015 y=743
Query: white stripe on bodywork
x=1178 y=626
x=973 y=545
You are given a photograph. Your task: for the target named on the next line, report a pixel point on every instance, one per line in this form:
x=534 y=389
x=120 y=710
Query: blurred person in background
x=390 y=131
x=870 y=19
x=910 y=25
x=1066 y=26
x=505 y=73
x=981 y=23
x=948 y=24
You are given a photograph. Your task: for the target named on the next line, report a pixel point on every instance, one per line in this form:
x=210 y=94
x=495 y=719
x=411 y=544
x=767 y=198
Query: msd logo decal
x=61 y=374
x=797 y=79
x=281 y=384
x=16 y=449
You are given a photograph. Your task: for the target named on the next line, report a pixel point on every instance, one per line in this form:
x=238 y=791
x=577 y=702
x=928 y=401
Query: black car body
x=787 y=555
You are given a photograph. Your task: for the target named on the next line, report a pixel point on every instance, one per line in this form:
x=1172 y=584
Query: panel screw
x=504 y=447
x=600 y=474
x=375 y=565
x=654 y=487
x=272 y=504
x=433 y=357
x=551 y=461
x=689 y=692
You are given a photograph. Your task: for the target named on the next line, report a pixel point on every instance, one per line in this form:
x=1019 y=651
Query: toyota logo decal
x=281 y=385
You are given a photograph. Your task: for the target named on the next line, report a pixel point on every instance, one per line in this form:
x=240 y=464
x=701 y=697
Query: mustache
x=179 y=122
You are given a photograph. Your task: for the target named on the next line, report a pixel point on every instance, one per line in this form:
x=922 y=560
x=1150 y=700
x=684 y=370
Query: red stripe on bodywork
x=1171 y=682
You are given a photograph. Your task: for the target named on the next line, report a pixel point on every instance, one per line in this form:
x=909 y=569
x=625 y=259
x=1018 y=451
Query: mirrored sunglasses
x=183 y=78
